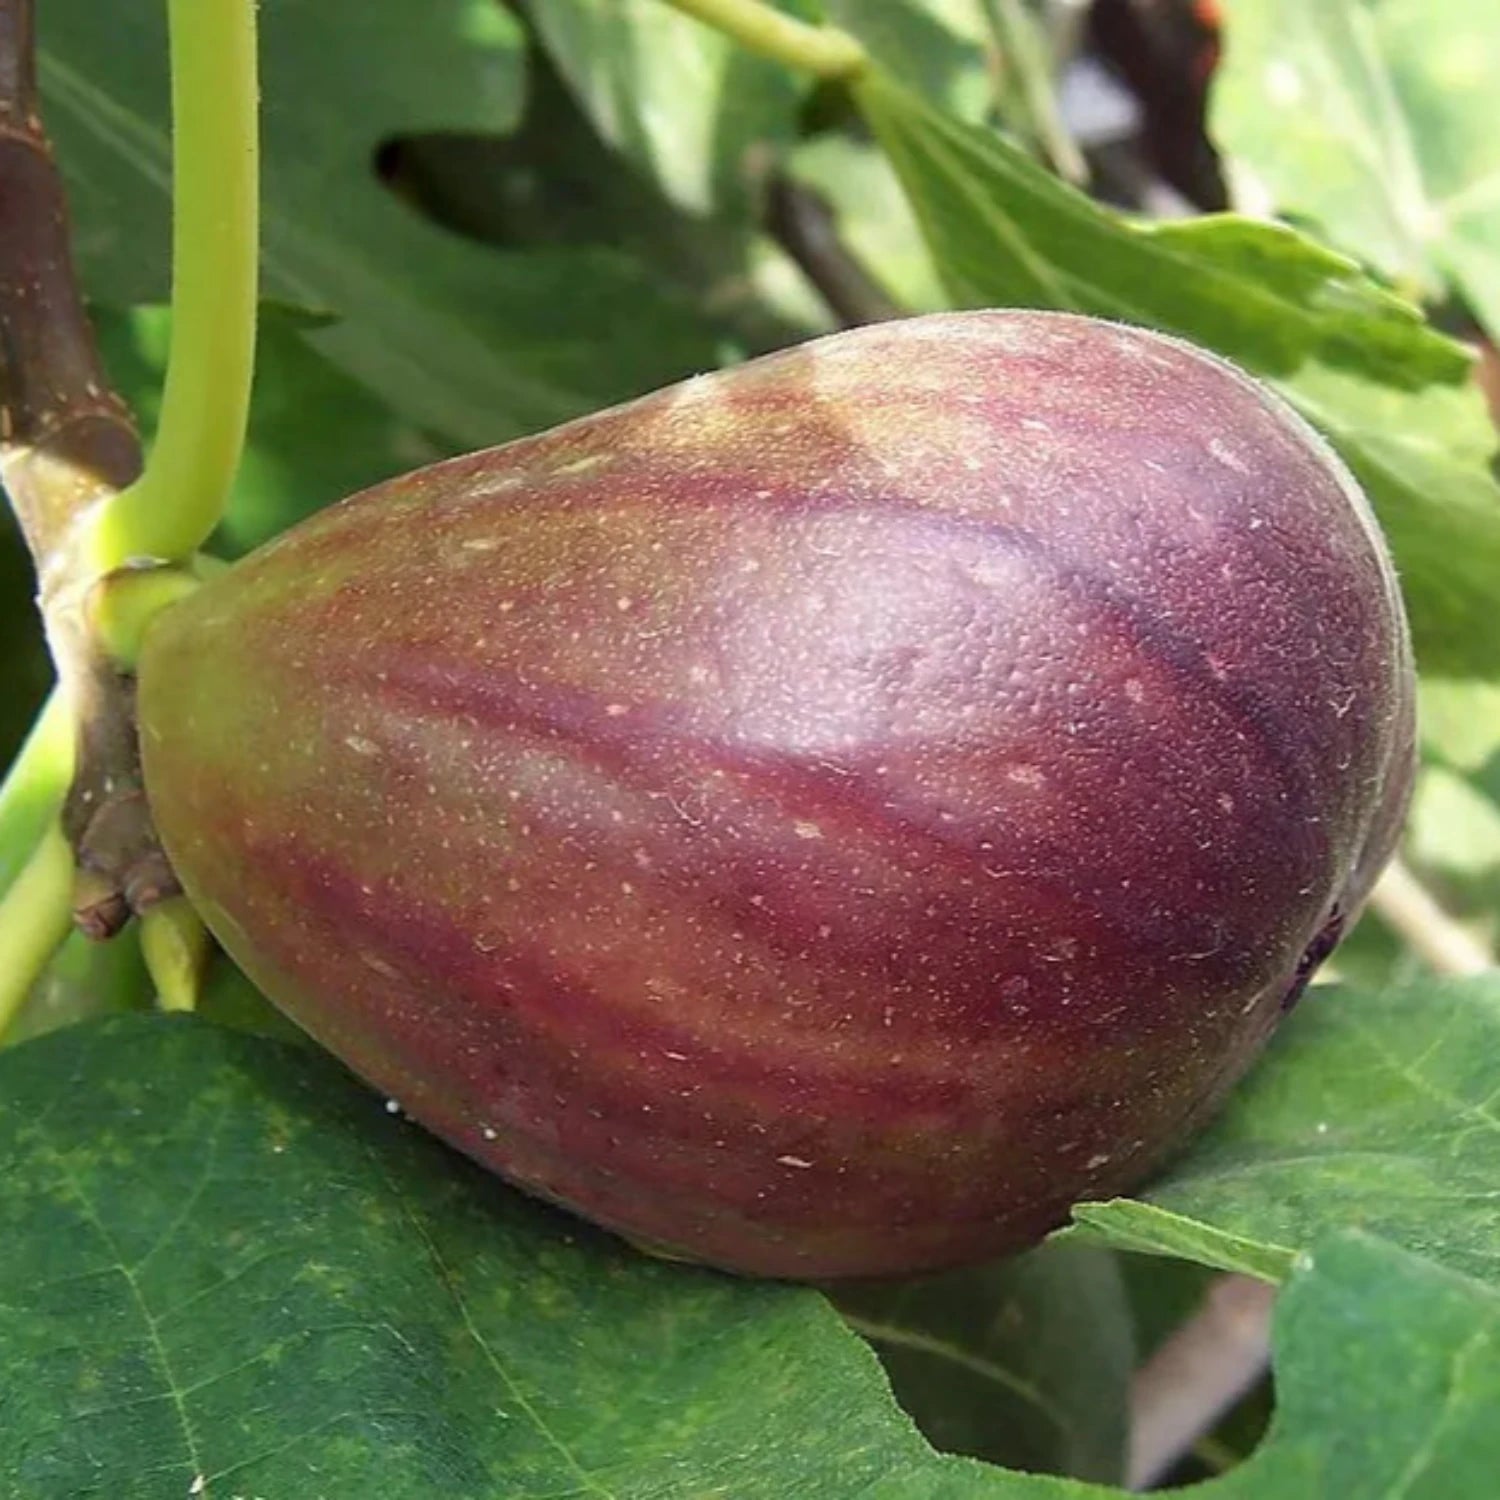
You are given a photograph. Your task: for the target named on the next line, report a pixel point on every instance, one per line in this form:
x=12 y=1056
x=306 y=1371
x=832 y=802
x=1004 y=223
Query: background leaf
x=677 y=99
x=1004 y=232
x=555 y=183
x=1374 y=121
x=466 y=342
x=1453 y=832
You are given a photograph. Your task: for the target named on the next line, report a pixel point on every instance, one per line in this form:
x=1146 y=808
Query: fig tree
x=821 y=819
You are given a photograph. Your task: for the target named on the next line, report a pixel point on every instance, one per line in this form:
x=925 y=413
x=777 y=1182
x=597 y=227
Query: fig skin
x=821 y=819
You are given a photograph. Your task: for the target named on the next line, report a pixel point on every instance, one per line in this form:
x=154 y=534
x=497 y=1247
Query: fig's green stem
x=824 y=51
x=126 y=603
x=174 y=943
x=36 y=914
x=35 y=785
x=178 y=500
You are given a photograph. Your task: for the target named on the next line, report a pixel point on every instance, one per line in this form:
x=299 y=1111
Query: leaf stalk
x=824 y=51
x=169 y=512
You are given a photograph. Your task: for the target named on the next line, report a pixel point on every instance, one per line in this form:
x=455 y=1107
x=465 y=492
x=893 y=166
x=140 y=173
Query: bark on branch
x=66 y=439
x=67 y=442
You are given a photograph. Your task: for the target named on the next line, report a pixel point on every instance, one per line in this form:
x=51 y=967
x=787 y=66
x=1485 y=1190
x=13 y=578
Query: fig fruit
x=826 y=817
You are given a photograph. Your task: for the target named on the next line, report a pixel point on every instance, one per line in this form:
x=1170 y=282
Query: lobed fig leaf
x=821 y=819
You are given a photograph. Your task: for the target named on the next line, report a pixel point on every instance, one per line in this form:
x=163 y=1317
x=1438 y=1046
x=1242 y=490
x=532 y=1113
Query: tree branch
x=66 y=439
x=1411 y=911
x=1208 y=1364
x=799 y=220
x=67 y=446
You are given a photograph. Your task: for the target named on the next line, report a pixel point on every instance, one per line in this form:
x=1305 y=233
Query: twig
x=67 y=444
x=804 y=226
x=1207 y=1365
x=69 y=457
x=1410 y=910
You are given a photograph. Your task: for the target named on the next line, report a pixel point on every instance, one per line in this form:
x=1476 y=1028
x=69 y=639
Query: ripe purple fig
x=822 y=819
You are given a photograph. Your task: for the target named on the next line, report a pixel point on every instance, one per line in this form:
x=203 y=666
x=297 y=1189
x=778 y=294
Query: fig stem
x=125 y=603
x=69 y=455
x=36 y=914
x=174 y=944
x=178 y=500
x=825 y=51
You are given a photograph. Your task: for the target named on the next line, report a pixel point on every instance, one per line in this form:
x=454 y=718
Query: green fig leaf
x=1376 y=1110
x=555 y=182
x=975 y=59
x=677 y=99
x=337 y=78
x=1354 y=358
x=471 y=343
x=1374 y=121
x=227 y=1265
x=227 y=1268
x=1387 y=1375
